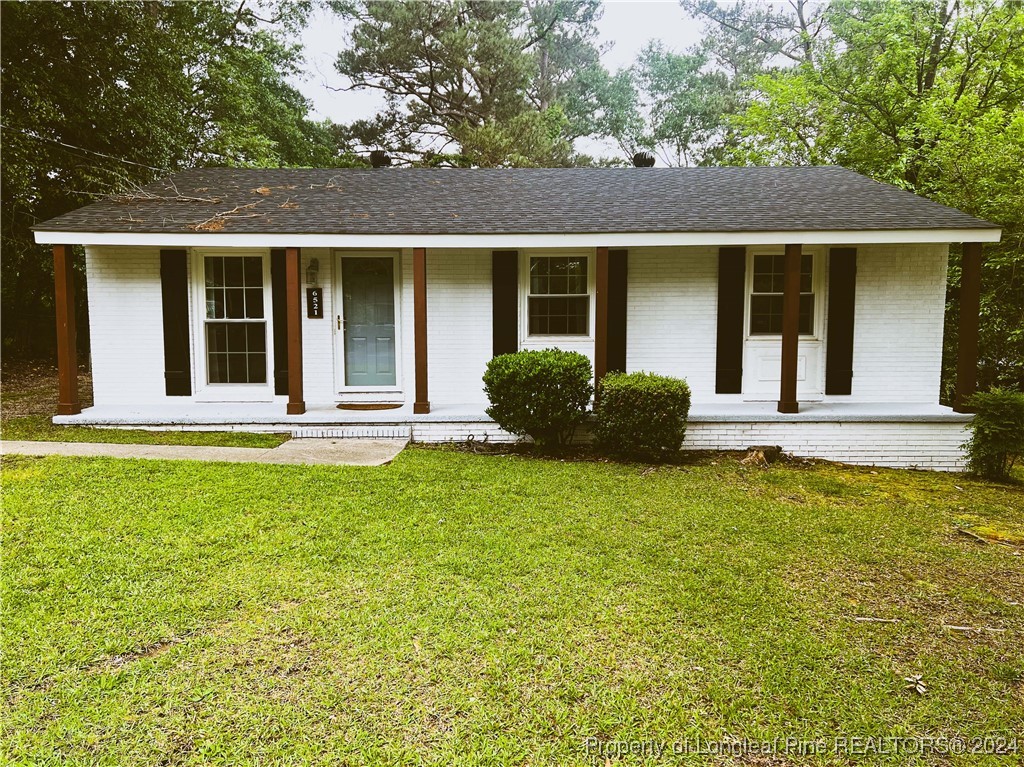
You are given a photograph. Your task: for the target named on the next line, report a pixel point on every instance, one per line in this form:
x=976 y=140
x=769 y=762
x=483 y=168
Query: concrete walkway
x=335 y=452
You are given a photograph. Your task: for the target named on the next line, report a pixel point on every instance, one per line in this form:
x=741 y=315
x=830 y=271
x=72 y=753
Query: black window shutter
x=174 y=300
x=732 y=266
x=618 y=261
x=505 y=301
x=842 y=288
x=279 y=299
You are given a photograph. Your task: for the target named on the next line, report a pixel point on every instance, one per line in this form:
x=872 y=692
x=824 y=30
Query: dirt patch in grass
x=589 y=454
x=152 y=651
x=29 y=388
x=28 y=400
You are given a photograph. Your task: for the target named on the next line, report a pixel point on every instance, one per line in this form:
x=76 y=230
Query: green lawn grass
x=458 y=609
x=40 y=427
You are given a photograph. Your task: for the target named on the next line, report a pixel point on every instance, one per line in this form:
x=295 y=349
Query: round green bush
x=543 y=394
x=642 y=415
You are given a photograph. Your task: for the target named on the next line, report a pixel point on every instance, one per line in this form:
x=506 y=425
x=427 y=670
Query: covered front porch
x=668 y=313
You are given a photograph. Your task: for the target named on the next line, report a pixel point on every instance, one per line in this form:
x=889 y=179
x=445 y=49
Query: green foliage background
x=101 y=97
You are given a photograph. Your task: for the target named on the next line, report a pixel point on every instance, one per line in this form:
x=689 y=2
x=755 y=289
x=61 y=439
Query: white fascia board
x=512 y=241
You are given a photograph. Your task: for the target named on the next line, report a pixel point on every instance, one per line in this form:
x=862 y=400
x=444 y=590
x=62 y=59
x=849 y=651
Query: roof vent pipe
x=643 y=160
x=379 y=159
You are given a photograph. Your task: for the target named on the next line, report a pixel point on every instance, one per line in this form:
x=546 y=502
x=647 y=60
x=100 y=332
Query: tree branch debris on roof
x=216 y=222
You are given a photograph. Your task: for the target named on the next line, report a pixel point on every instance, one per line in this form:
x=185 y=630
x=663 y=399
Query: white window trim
x=208 y=392
x=338 y=335
x=817 y=286
x=524 y=297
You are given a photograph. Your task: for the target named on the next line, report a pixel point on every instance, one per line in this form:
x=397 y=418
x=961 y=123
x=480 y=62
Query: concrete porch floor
x=257 y=416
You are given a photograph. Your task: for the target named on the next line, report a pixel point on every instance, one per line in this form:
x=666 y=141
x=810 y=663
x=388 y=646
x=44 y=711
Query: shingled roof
x=518 y=201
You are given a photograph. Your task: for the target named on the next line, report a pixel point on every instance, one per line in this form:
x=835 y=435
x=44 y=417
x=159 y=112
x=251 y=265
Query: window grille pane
x=762 y=283
x=234 y=287
x=236 y=352
x=770 y=273
x=233 y=276
x=217 y=337
x=237 y=337
x=234 y=302
x=253 y=269
x=806 y=265
x=237 y=369
x=257 y=368
x=214 y=272
x=807 y=314
x=559 y=316
x=765 y=314
x=254 y=303
x=558 y=275
x=256 y=338
x=217 y=365
x=214 y=303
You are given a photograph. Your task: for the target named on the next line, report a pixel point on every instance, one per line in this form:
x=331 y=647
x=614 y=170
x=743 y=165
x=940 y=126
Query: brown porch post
x=601 y=317
x=790 y=330
x=293 y=306
x=419 y=305
x=967 y=347
x=67 y=335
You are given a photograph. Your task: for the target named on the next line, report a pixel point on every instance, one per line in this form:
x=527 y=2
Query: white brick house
x=804 y=306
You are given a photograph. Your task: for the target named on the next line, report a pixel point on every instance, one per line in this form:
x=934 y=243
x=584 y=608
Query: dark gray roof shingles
x=515 y=201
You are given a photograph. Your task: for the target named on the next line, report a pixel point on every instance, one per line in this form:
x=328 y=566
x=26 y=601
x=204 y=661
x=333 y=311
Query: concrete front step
x=356 y=431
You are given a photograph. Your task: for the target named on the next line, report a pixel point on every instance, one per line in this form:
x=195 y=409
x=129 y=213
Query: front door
x=368 y=321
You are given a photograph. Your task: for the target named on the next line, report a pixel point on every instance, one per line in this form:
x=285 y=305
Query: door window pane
x=767 y=287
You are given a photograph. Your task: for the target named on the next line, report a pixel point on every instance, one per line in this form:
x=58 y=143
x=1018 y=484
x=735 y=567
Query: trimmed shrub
x=997 y=433
x=642 y=415
x=540 y=393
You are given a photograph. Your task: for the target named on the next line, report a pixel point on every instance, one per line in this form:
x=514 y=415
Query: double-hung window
x=235 y=325
x=558 y=301
x=766 y=294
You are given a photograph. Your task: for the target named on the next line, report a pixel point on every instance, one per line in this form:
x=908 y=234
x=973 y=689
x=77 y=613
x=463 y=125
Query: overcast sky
x=628 y=24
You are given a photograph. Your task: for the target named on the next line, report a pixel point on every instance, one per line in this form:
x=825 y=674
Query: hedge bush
x=642 y=415
x=997 y=438
x=543 y=394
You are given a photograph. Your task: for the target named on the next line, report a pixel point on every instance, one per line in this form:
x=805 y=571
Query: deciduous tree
x=929 y=96
x=100 y=96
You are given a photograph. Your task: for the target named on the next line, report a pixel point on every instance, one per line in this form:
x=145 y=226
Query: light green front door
x=368 y=305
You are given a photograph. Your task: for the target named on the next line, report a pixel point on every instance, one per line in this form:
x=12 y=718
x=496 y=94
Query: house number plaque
x=315 y=303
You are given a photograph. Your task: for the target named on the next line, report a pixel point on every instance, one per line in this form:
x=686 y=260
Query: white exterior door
x=366 y=323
